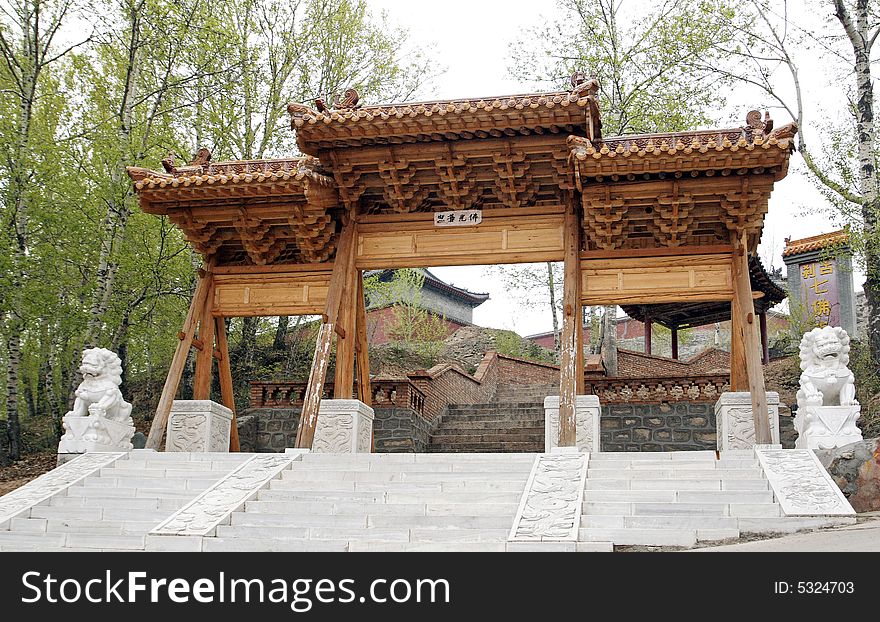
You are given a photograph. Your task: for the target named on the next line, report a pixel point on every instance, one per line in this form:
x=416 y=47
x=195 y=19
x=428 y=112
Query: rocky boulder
x=856 y=469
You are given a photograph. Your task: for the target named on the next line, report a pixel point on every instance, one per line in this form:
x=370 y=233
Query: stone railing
x=704 y=388
x=400 y=392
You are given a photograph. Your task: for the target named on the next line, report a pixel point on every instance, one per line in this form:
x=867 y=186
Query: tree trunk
x=858 y=31
x=552 y=287
x=13 y=364
x=609 y=341
x=281 y=333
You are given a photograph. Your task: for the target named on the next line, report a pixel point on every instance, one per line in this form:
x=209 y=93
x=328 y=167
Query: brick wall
x=380 y=321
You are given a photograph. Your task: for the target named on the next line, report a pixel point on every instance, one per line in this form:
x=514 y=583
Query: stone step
x=658 y=522
x=428 y=547
x=277 y=503
x=391 y=477
x=340 y=460
x=105 y=542
x=297 y=521
x=441 y=522
x=643 y=537
x=70 y=525
x=239 y=542
x=337 y=486
x=702 y=474
x=746 y=510
x=675 y=456
x=677 y=484
x=665 y=465
x=493 y=417
x=681 y=496
x=530 y=447
x=442 y=438
x=465 y=427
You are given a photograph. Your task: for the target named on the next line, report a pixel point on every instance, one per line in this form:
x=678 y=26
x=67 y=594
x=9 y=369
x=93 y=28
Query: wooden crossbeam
x=343 y=265
x=172 y=381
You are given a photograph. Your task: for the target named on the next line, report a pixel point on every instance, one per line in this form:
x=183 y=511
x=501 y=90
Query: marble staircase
x=388 y=502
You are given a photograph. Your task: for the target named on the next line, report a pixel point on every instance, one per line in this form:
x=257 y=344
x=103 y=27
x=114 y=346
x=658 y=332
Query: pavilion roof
x=563 y=112
x=687 y=315
x=520 y=152
x=814 y=243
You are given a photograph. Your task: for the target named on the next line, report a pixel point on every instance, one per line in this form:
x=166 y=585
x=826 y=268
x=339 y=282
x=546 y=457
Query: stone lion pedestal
x=735 y=423
x=827 y=407
x=198 y=426
x=344 y=426
x=587 y=413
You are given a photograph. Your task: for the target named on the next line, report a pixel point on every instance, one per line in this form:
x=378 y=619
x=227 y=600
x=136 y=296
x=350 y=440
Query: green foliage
x=509 y=343
x=79 y=262
x=655 y=65
x=413 y=327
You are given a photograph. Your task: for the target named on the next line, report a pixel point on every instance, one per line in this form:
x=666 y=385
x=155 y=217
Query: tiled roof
x=230 y=173
x=814 y=243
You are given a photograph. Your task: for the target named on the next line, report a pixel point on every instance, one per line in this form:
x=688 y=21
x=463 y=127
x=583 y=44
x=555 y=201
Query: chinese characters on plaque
x=819 y=292
x=458 y=218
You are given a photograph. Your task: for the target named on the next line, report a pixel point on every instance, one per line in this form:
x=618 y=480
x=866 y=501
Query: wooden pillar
x=675 y=342
x=342 y=267
x=580 y=382
x=205 y=356
x=747 y=331
x=649 y=325
x=172 y=380
x=362 y=354
x=739 y=379
x=571 y=326
x=765 y=345
x=345 y=342
x=224 y=370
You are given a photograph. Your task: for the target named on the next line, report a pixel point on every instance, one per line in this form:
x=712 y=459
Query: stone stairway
x=681 y=498
x=496 y=427
x=114 y=508
x=382 y=502
x=513 y=393
x=388 y=502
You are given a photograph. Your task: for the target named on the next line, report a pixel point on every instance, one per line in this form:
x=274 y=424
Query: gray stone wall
x=400 y=430
x=395 y=430
x=442 y=304
x=658 y=427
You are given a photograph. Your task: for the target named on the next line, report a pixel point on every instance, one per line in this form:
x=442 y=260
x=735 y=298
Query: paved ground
x=862 y=537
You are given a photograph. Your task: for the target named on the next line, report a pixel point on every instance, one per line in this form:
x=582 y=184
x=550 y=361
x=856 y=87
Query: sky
x=470 y=39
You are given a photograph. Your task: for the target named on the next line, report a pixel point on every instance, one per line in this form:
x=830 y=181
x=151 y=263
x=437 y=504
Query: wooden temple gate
x=637 y=220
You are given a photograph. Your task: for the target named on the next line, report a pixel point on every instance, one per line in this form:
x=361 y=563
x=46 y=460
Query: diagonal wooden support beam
x=172 y=380
x=342 y=267
x=748 y=327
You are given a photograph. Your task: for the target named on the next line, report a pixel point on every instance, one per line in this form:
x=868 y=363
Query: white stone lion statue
x=101 y=418
x=826 y=380
x=98 y=394
x=827 y=406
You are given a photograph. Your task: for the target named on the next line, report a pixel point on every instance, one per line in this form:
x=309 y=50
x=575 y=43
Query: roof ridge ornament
x=588 y=88
x=197 y=165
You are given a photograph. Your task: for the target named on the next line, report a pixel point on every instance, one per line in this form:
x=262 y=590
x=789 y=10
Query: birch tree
x=30 y=46
x=839 y=154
